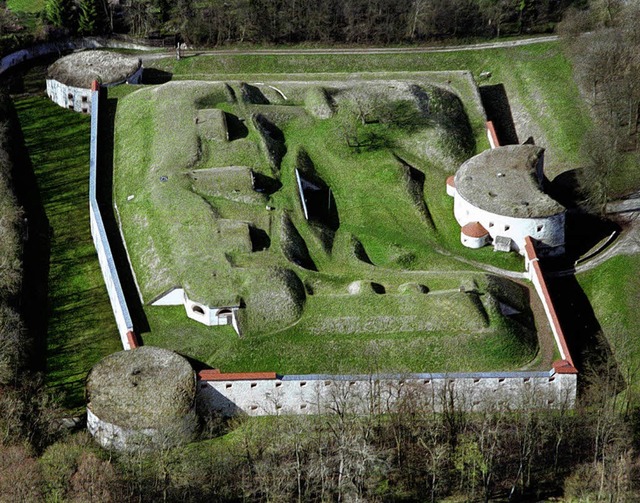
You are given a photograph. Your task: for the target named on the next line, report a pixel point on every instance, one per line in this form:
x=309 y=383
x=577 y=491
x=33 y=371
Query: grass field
x=613 y=291
x=81 y=325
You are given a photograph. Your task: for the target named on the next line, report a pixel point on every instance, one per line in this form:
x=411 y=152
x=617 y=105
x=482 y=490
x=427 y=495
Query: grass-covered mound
x=223 y=215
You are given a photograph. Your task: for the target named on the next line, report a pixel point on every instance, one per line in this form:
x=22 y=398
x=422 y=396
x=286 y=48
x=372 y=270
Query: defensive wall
x=267 y=393
x=99 y=234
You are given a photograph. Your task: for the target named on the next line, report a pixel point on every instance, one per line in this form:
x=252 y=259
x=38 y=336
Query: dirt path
x=354 y=51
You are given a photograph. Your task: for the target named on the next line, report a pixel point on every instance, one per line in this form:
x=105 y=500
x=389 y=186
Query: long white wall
x=319 y=394
x=100 y=241
x=548 y=231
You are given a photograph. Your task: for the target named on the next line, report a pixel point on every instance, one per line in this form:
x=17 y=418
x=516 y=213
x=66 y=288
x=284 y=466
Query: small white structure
x=198 y=311
x=473 y=235
x=69 y=79
x=499 y=199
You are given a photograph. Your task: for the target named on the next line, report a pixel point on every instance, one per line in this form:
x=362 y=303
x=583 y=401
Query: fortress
x=520 y=218
x=70 y=78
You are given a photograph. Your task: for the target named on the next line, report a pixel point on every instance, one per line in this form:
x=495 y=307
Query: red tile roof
x=474 y=230
x=216 y=375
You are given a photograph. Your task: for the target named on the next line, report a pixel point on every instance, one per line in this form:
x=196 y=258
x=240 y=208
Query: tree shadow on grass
x=587 y=344
x=36 y=250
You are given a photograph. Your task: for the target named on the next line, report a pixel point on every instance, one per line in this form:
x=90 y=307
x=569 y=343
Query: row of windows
x=507 y=227
x=85 y=99
x=351 y=383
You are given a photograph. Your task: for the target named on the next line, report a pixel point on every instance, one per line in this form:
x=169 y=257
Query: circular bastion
x=69 y=79
x=142 y=398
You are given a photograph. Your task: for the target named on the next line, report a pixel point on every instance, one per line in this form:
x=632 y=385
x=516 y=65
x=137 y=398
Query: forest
x=218 y=22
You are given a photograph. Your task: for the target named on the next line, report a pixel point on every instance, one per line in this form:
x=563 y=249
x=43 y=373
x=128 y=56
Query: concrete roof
x=80 y=69
x=504 y=181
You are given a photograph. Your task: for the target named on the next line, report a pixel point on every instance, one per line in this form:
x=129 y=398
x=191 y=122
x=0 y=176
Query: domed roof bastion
x=69 y=79
x=142 y=398
x=499 y=198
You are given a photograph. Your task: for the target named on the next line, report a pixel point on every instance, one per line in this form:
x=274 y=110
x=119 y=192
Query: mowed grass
x=372 y=349
x=81 y=325
x=614 y=290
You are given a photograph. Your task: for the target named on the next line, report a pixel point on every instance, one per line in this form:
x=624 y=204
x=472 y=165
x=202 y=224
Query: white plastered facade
x=207 y=315
x=548 y=232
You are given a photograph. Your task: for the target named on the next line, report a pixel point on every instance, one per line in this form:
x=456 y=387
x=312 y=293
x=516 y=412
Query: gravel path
x=355 y=51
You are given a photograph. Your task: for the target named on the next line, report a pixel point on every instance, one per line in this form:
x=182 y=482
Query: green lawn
x=614 y=291
x=81 y=325
x=30 y=6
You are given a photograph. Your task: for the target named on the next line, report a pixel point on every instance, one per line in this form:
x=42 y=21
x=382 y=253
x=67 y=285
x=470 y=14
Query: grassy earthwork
x=537 y=78
x=314 y=303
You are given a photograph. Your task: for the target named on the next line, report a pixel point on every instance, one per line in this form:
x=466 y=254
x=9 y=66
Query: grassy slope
x=81 y=326
x=614 y=290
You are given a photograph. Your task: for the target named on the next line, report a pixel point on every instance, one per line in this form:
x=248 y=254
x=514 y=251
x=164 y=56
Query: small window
x=303 y=383
x=71 y=106
x=303 y=406
x=228 y=385
x=69 y=96
x=254 y=407
x=197 y=310
x=254 y=384
x=84 y=99
x=539 y=228
x=278 y=384
x=327 y=383
x=85 y=111
x=501 y=379
x=490 y=224
x=507 y=227
x=427 y=381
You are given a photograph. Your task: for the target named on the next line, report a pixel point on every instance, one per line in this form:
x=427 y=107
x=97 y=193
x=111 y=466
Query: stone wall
x=254 y=395
x=73 y=98
x=98 y=232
